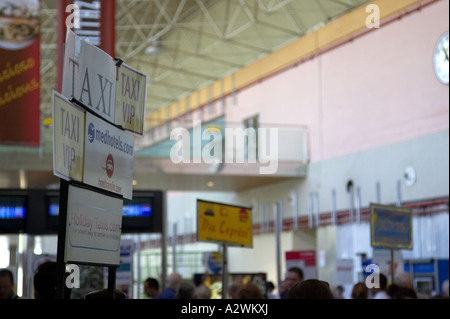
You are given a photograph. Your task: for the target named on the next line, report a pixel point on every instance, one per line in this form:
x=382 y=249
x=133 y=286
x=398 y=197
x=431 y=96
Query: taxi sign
x=130 y=99
x=68 y=138
x=89 y=76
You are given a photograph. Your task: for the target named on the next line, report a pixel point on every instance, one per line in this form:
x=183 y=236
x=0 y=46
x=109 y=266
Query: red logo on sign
x=243 y=215
x=109 y=165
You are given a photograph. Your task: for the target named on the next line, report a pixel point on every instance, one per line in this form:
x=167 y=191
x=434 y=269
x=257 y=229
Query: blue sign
x=391 y=227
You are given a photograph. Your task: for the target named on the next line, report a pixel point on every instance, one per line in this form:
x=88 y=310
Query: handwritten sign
x=391 y=227
x=230 y=224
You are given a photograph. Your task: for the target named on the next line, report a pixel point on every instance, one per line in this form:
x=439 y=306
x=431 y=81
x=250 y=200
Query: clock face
x=440 y=59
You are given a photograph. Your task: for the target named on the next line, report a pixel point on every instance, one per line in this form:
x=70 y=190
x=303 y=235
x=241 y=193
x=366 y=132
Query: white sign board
x=108 y=157
x=89 y=76
x=94 y=227
x=131 y=93
x=344 y=271
x=68 y=139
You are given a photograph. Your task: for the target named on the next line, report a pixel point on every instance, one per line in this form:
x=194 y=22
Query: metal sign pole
x=62 y=220
x=276 y=210
x=224 y=271
x=112 y=282
x=392 y=265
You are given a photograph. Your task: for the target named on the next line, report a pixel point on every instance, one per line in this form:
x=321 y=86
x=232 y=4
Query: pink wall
x=376 y=90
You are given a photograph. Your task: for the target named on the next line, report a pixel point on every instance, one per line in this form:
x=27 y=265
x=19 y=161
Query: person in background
x=444 y=294
x=339 y=292
x=185 y=290
x=360 y=291
x=445 y=288
x=7 y=284
x=270 y=288
x=398 y=292
x=311 y=289
x=44 y=281
x=151 y=287
x=202 y=292
x=403 y=279
x=249 y=291
x=403 y=287
x=173 y=280
x=381 y=291
x=233 y=289
x=105 y=294
x=294 y=275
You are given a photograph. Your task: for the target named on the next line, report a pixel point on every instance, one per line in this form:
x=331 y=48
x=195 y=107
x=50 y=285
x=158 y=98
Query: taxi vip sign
x=89 y=76
x=108 y=157
x=130 y=99
x=68 y=138
x=224 y=223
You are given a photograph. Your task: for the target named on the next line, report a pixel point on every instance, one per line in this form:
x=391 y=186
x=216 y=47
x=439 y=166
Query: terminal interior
x=304 y=112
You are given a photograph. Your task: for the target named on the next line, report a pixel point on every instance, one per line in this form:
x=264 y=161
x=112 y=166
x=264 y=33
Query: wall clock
x=440 y=59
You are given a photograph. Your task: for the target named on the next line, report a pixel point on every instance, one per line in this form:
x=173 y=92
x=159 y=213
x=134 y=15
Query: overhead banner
x=224 y=223
x=390 y=227
x=19 y=72
x=94 y=227
x=68 y=138
x=92 y=20
x=108 y=157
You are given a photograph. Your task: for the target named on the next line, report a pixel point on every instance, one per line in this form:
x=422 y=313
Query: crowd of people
x=294 y=286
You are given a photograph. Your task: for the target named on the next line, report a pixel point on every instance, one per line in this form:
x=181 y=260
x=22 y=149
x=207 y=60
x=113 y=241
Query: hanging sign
x=390 y=227
x=94 y=227
x=89 y=76
x=20 y=73
x=68 y=138
x=108 y=157
x=130 y=99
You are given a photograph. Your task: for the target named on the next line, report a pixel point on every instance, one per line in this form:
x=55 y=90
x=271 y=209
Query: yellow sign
x=224 y=223
x=130 y=99
x=68 y=139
